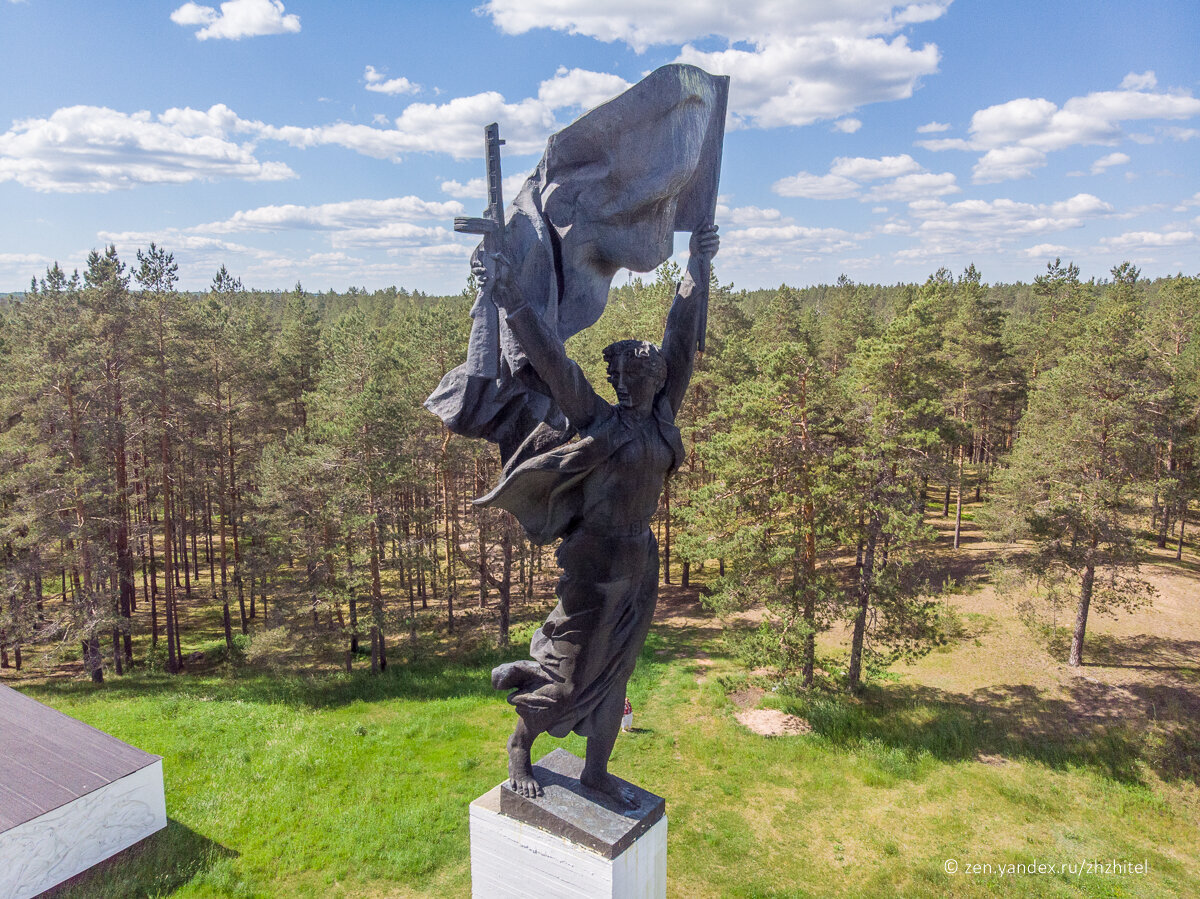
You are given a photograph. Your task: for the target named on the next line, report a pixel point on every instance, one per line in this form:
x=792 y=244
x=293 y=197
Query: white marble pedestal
x=569 y=843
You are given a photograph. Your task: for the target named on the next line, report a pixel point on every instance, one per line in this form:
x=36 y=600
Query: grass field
x=988 y=752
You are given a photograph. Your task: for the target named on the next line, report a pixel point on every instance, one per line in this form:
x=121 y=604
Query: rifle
x=484 y=360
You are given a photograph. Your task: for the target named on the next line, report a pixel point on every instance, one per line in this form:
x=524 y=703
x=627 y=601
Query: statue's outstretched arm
x=568 y=385
x=684 y=319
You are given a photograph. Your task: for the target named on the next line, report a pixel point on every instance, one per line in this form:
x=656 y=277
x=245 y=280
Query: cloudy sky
x=333 y=143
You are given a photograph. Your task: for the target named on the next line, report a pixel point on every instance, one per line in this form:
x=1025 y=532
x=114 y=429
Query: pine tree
x=774 y=504
x=896 y=427
x=1084 y=444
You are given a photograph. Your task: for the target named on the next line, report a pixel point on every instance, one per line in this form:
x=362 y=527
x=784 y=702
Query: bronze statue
x=611 y=191
x=598 y=494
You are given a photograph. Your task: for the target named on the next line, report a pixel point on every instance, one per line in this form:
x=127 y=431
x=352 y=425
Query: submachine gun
x=484 y=360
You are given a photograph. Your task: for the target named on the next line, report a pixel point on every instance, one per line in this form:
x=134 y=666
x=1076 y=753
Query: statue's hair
x=643 y=354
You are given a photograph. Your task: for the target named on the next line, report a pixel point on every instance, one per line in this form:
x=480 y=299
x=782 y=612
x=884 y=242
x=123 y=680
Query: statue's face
x=633 y=383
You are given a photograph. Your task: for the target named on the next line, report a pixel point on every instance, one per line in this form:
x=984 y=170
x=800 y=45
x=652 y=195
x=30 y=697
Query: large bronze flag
x=609 y=193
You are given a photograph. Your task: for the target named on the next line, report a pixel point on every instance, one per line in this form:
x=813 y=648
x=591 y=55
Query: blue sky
x=333 y=143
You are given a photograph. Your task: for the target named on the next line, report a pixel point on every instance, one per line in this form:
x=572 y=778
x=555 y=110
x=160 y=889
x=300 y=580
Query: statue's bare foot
x=520 y=770
x=610 y=786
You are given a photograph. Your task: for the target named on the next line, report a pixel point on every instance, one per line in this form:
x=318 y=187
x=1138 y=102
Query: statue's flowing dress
x=598 y=494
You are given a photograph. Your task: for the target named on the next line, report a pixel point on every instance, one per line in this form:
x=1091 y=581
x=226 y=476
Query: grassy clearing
x=989 y=751
x=351 y=786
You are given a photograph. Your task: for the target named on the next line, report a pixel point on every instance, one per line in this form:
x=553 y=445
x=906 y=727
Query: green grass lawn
x=340 y=785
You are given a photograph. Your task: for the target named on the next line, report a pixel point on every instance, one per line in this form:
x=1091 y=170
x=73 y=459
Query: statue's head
x=637 y=372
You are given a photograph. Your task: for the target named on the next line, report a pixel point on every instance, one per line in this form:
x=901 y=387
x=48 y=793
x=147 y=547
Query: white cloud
x=1044 y=251
x=22 y=258
x=800 y=80
x=847 y=126
x=1149 y=240
x=1003 y=218
x=456 y=126
x=789 y=65
x=87 y=148
x=751 y=215
x=390 y=224
x=580 y=88
x=398 y=235
x=199 y=246
x=641 y=23
x=1007 y=164
x=476 y=188
x=909 y=188
x=334 y=216
x=1194 y=200
x=783 y=245
x=933 y=128
x=1143 y=82
x=237 y=19
x=862 y=168
x=1016 y=135
x=1108 y=161
x=96 y=149
x=1177 y=133
x=846 y=173
x=816 y=187
x=361 y=222
x=381 y=84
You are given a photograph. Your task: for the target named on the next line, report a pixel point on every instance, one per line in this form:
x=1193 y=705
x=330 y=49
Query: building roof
x=48 y=759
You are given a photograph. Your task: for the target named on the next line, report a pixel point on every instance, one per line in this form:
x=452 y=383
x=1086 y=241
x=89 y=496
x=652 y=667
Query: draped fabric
x=609 y=193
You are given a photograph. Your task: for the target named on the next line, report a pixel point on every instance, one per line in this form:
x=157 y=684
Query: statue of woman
x=598 y=494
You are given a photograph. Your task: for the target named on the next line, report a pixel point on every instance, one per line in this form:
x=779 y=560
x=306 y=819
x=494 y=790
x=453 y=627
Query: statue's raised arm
x=686 y=318
x=568 y=385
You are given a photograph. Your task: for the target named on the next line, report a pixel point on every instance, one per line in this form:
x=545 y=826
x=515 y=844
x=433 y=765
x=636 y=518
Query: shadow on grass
x=424 y=679
x=157 y=865
x=1093 y=727
x=1148 y=652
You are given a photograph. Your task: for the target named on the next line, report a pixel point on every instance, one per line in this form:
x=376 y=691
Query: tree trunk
x=865 y=585
x=958 y=504
x=174 y=662
x=124 y=553
x=667 y=534
x=378 y=647
x=352 y=594
x=1182 y=521
x=1081 y=616
x=1164 y=522
x=233 y=520
x=506 y=584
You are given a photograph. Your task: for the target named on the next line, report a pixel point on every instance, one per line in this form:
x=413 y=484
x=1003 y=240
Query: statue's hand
x=481 y=273
x=504 y=293
x=705 y=243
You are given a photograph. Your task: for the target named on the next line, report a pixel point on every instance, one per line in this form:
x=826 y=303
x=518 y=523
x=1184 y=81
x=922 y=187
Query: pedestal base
x=569 y=843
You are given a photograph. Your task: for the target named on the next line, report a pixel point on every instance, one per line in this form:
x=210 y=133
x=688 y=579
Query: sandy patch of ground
x=747 y=697
x=772 y=722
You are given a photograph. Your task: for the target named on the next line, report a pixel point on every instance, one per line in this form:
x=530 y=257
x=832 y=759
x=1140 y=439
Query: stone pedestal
x=571 y=842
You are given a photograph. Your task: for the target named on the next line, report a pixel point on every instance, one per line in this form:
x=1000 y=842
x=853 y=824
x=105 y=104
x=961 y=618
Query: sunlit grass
x=340 y=785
